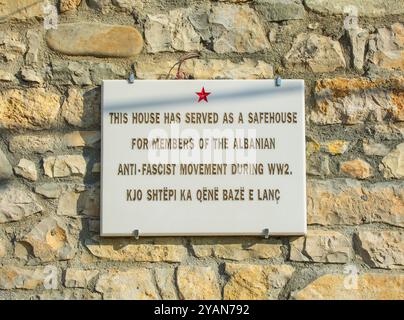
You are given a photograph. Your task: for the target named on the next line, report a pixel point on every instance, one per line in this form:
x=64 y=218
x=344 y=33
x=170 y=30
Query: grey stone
x=226 y=20
x=30 y=75
x=49 y=190
x=358 y=40
x=65 y=166
x=34 y=41
x=26 y=169
x=106 y=71
x=16 y=203
x=386 y=48
x=316 y=53
x=71 y=72
x=369 y=8
x=6 y=171
x=280 y=10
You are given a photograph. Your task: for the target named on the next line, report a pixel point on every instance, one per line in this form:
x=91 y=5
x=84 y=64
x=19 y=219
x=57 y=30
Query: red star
x=203 y=95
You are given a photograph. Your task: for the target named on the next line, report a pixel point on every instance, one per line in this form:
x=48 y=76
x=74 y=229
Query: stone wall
x=50 y=146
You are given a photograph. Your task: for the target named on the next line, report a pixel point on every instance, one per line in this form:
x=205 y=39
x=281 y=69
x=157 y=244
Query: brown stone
x=357 y=168
x=68 y=5
x=33 y=108
x=197 y=283
x=234 y=249
x=369 y=286
x=150 y=250
x=256 y=282
x=335 y=147
x=94 y=39
x=358 y=100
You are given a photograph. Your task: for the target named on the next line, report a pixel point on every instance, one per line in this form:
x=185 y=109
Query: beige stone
x=65 y=166
x=6 y=76
x=33 y=108
x=68 y=5
x=16 y=203
x=20 y=9
x=29 y=278
x=78 y=278
x=321 y=246
x=197 y=283
x=372 y=148
x=49 y=190
x=236 y=28
x=100 y=40
x=358 y=100
x=392 y=164
x=349 y=202
x=68 y=204
x=26 y=169
x=234 y=249
x=256 y=282
x=381 y=249
x=82 y=138
x=12 y=44
x=150 y=250
x=171 y=31
x=166 y=283
x=155 y=68
x=3 y=248
x=356 y=168
x=316 y=53
x=27 y=143
x=30 y=75
x=133 y=284
x=50 y=240
x=386 y=50
x=368 y=286
x=368 y=8
x=81 y=109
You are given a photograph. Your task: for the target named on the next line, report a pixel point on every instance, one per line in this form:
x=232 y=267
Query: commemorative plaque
x=203 y=157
